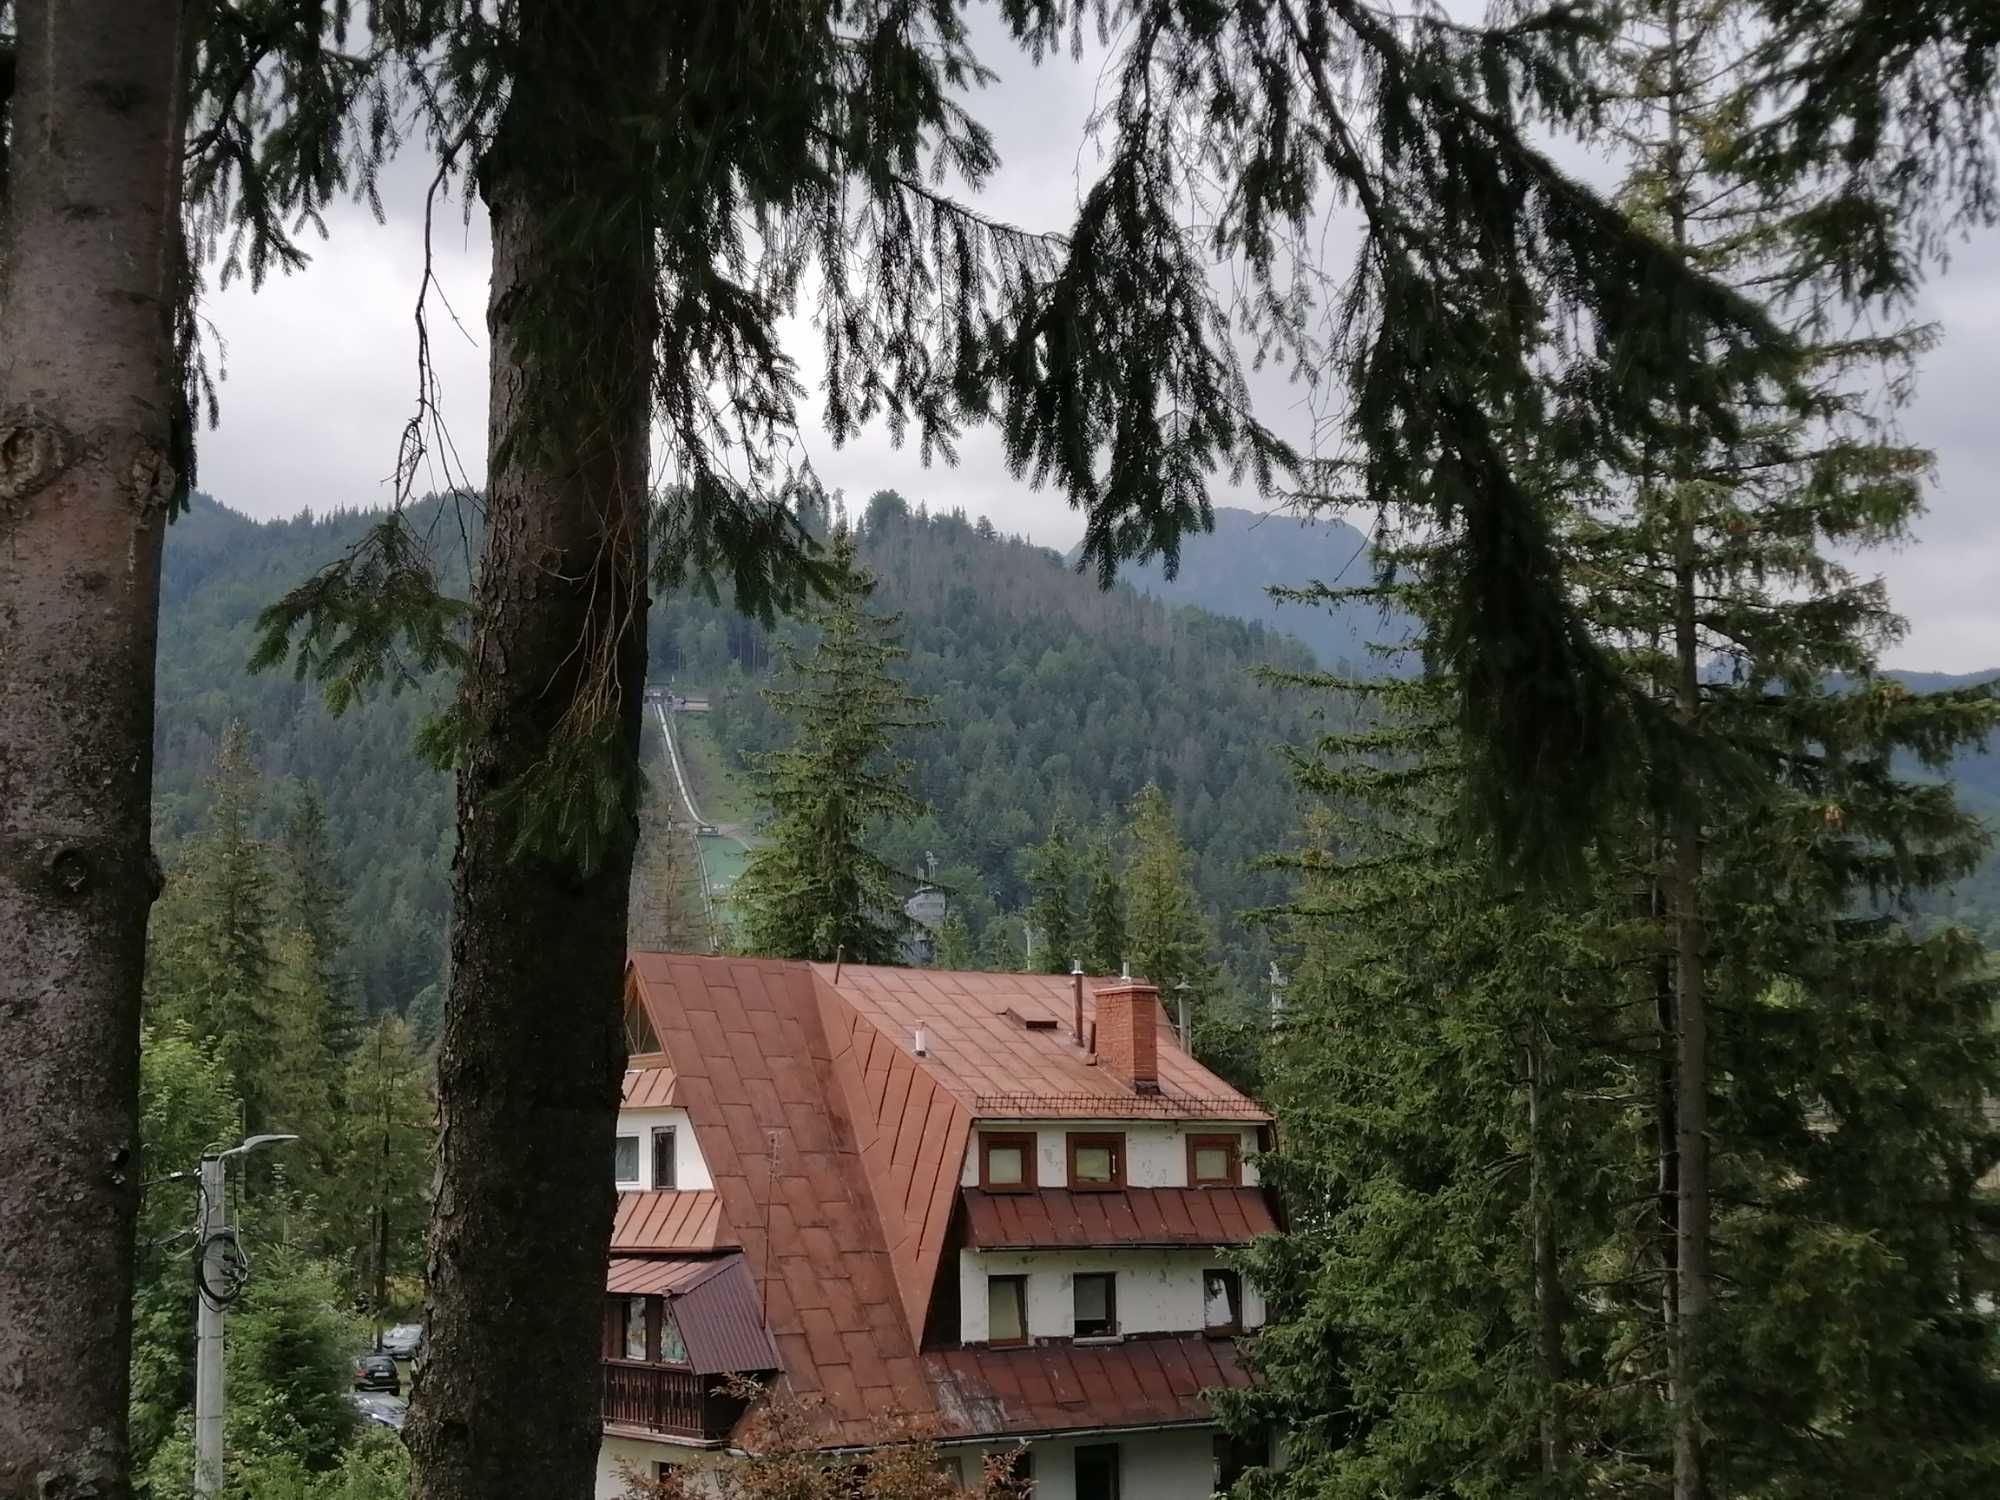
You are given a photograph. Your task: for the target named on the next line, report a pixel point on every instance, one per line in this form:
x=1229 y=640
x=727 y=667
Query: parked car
x=404 y=1341
x=377 y=1372
x=373 y=1406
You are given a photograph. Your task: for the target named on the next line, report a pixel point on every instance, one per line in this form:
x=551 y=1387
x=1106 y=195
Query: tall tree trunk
x=1684 y=886
x=87 y=400
x=528 y=1067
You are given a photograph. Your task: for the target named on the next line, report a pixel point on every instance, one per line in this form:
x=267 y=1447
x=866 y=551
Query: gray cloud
x=321 y=373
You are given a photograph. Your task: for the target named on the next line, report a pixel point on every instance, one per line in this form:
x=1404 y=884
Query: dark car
x=387 y=1411
x=377 y=1372
x=404 y=1341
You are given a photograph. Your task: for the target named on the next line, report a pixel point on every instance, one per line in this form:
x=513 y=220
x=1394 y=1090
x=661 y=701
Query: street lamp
x=219 y=1273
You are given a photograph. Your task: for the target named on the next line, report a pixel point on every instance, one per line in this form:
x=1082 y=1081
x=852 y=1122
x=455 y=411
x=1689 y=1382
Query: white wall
x=1173 y=1465
x=691 y=1171
x=1155 y=1150
x=1159 y=1291
x=615 y=1451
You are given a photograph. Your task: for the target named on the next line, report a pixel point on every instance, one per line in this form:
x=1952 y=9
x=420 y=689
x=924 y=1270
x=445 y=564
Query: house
x=993 y=1204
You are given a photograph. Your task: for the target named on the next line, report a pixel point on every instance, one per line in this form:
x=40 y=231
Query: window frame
x=1028 y=1145
x=665 y=1133
x=1110 y=1280
x=645 y=1331
x=1020 y=1285
x=1114 y=1140
x=1117 y=1452
x=1233 y=1280
x=638 y=1160
x=1233 y=1144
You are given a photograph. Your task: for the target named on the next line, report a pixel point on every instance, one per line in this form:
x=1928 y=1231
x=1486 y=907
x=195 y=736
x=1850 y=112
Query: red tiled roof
x=666 y=1220
x=999 y=1068
x=835 y=1156
x=660 y=1276
x=714 y=1304
x=1138 y=1382
x=755 y=1074
x=649 y=1088
x=1059 y=1219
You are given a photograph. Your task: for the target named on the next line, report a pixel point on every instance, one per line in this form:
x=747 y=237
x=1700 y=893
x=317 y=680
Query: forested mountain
x=1048 y=696
x=1232 y=570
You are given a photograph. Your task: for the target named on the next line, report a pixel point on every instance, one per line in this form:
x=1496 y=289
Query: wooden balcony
x=658 y=1398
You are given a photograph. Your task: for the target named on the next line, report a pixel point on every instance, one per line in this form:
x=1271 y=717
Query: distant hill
x=1049 y=694
x=1231 y=570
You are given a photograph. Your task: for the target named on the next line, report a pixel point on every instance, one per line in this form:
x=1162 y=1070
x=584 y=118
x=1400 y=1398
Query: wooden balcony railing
x=657 y=1399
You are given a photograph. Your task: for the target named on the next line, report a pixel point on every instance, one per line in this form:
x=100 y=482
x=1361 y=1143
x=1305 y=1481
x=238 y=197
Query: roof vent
x=920 y=1043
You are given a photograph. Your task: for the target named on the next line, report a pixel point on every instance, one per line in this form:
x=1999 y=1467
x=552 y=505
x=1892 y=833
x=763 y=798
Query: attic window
x=1096 y=1162
x=1213 y=1161
x=1030 y=1023
x=639 y=1033
x=1007 y=1162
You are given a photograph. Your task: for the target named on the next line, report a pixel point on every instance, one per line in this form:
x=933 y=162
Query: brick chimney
x=1128 y=1029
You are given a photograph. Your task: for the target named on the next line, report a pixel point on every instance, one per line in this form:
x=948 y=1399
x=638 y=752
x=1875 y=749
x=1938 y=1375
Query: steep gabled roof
x=990 y=1045
x=755 y=1073
x=836 y=1153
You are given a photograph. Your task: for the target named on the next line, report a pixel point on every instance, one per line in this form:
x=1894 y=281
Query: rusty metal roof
x=666 y=1220
x=1137 y=1382
x=648 y=1088
x=986 y=1046
x=1060 y=1219
x=715 y=1305
x=836 y=1154
x=756 y=1076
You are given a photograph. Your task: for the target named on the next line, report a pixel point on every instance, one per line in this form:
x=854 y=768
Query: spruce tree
x=815 y=887
x=1788 y=1310
x=1165 y=929
x=1107 y=945
x=1052 y=881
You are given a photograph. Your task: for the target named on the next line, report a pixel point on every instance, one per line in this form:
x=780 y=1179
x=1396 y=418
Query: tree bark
x=528 y=1068
x=1692 y=1287
x=87 y=397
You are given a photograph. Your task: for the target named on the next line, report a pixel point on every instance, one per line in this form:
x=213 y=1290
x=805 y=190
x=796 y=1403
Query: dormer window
x=1007 y=1161
x=625 y=1161
x=1213 y=1161
x=639 y=1034
x=1096 y=1162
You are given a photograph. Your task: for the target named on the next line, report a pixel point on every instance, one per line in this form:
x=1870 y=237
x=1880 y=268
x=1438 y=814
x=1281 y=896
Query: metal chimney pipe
x=1076 y=985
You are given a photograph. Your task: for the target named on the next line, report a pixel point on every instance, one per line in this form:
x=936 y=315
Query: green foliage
x=1490 y=1285
x=1106 y=940
x=1052 y=909
x=187 y=1105
x=815 y=887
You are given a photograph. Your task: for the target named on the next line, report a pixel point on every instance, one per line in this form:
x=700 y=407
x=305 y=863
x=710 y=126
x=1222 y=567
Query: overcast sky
x=321 y=377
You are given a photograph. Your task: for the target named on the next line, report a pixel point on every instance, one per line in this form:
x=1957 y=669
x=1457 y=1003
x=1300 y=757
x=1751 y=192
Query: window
x=673 y=1350
x=663 y=1158
x=1007 y=1162
x=1236 y=1456
x=664 y=1472
x=1096 y=1304
x=635 y=1327
x=1007 y=1309
x=1221 y=1302
x=1096 y=1162
x=625 y=1164
x=1213 y=1161
x=639 y=1033
x=1097 y=1471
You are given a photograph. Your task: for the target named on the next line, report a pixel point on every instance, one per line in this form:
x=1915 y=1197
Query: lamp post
x=219 y=1274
